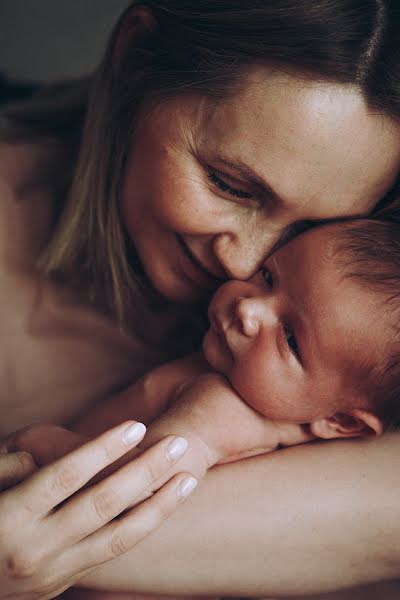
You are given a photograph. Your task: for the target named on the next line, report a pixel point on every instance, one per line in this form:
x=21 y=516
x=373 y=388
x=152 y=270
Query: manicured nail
x=186 y=486
x=134 y=433
x=176 y=448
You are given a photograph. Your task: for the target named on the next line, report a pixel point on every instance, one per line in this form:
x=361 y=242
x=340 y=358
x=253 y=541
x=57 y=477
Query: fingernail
x=134 y=433
x=176 y=448
x=186 y=486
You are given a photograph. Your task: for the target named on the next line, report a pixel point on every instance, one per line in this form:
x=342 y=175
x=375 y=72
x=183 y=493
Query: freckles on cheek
x=185 y=208
x=172 y=208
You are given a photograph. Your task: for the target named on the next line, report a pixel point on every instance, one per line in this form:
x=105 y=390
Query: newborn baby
x=305 y=349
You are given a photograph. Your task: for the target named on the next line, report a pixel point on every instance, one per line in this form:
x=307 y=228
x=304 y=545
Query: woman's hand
x=53 y=533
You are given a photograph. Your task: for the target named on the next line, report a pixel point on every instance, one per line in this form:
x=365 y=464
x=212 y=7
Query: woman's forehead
x=313 y=142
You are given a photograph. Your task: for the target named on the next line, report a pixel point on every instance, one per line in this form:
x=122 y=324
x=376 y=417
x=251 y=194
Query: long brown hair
x=202 y=47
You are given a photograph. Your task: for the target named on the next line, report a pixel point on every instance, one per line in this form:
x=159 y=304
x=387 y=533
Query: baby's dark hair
x=368 y=251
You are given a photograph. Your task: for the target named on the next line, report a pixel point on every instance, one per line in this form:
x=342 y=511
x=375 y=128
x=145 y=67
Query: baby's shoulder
x=208 y=385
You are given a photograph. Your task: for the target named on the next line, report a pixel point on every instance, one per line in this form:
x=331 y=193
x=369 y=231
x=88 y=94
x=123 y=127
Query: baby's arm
x=208 y=413
x=219 y=426
x=145 y=399
x=183 y=399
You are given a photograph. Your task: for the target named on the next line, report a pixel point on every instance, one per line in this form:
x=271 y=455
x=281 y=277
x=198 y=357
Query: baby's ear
x=135 y=26
x=353 y=423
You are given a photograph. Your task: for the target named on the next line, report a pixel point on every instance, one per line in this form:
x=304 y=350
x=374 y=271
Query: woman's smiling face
x=210 y=187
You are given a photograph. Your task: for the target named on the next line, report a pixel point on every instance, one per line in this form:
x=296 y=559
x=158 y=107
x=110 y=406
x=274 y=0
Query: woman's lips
x=195 y=271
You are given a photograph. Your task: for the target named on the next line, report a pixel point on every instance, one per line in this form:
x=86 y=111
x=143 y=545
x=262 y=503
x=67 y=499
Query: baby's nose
x=247 y=315
x=256 y=313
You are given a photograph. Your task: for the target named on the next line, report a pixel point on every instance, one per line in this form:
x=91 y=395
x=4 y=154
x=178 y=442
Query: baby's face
x=292 y=339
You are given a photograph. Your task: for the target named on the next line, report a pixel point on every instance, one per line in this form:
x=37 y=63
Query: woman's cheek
x=186 y=208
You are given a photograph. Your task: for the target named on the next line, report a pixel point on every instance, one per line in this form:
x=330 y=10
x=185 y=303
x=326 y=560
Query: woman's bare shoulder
x=18 y=163
x=24 y=164
x=27 y=199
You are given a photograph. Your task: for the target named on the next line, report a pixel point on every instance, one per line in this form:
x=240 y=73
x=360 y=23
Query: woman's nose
x=241 y=253
x=254 y=314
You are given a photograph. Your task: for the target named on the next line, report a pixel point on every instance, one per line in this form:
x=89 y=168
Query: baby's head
x=314 y=336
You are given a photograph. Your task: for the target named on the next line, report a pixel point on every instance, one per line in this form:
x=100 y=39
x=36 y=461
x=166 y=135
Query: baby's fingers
x=45 y=441
x=58 y=481
x=14 y=468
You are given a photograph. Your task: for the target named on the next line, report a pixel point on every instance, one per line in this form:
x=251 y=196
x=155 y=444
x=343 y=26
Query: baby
x=307 y=348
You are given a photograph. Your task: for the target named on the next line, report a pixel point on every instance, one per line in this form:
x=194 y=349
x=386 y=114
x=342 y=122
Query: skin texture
x=58 y=357
x=194 y=552
x=363 y=548
x=32 y=569
x=319 y=151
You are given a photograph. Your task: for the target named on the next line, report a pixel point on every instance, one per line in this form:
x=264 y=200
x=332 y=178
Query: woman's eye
x=267 y=276
x=292 y=342
x=228 y=189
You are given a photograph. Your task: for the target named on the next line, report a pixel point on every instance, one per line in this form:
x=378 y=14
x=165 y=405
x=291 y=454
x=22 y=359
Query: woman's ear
x=135 y=26
x=353 y=423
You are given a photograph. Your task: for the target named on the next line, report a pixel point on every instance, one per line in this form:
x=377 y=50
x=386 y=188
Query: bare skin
x=245 y=331
x=59 y=357
x=164 y=563
x=159 y=569
x=210 y=188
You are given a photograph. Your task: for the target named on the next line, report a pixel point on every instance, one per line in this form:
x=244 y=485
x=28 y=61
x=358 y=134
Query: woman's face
x=211 y=187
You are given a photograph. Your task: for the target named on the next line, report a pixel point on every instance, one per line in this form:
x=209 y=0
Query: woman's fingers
x=14 y=468
x=96 y=506
x=122 y=534
x=60 y=480
x=51 y=548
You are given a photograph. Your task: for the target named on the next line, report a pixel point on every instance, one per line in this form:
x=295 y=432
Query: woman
x=213 y=133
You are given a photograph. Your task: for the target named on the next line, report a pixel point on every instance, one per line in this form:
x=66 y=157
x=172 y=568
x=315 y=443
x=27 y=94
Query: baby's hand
x=14 y=468
x=218 y=424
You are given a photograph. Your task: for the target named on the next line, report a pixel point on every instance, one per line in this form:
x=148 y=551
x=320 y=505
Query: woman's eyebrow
x=248 y=174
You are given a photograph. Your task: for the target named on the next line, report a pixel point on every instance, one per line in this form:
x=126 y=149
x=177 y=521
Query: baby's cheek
x=250 y=380
x=265 y=386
